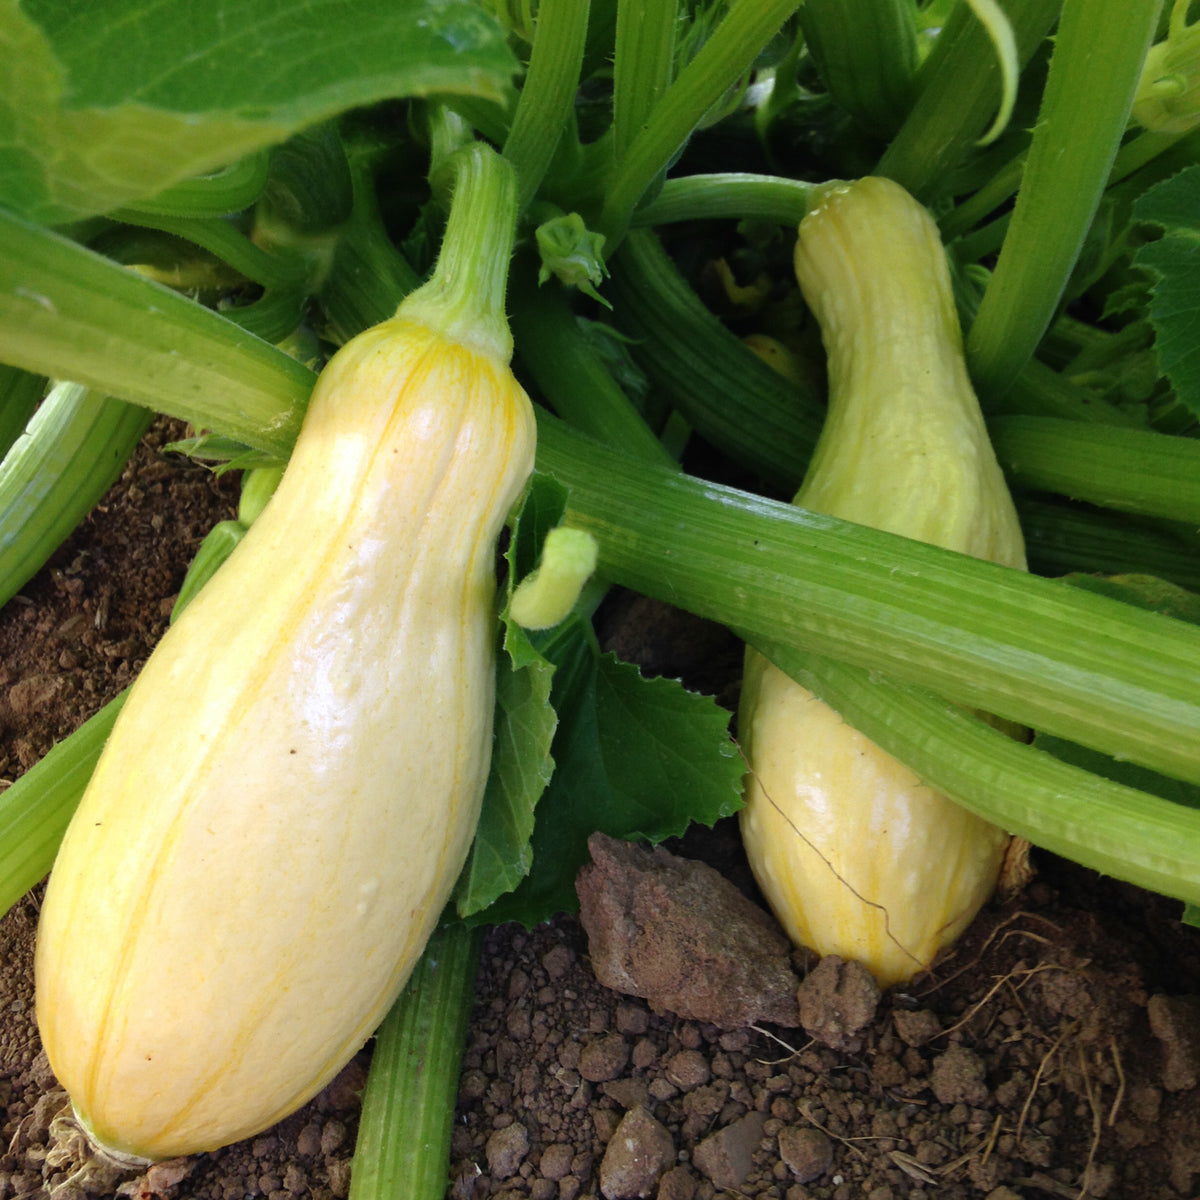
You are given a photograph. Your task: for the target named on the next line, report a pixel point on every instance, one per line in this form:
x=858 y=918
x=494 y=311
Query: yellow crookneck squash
x=856 y=855
x=289 y=794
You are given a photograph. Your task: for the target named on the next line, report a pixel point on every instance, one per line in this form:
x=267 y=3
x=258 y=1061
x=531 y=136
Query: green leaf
x=524 y=725
x=635 y=758
x=114 y=101
x=521 y=767
x=1174 y=259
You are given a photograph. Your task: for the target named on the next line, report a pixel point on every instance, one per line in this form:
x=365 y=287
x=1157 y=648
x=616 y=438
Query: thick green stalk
x=1061 y=537
x=723 y=59
x=723 y=389
x=548 y=93
x=643 y=63
x=1131 y=157
x=1003 y=184
x=223 y=241
x=1039 y=390
x=71 y=453
x=368 y=275
x=1133 y=470
x=1107 y=826
x=733 y=196
x=569 y=370
x=403 y=1145
x=309 y=192
x=958 y=92
x=70 y=313
x=866 y=53
x=464 y=297
x=20 y=394
x=1098 y=54
x=35 y=811
x=228 y=190
x=1031 y=650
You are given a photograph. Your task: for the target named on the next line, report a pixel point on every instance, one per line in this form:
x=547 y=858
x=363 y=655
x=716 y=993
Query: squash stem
x=1031 y=650
x=70 y=454
x=1097 y=61
x=464 y=298
x=35 y=811
x=226 y=191
x=547 y=98
x=73 y=314
x=20 y=394
x=718 y=66
x=408 y=1106
x=643 y=64
x=958 y=89
x=732 y=195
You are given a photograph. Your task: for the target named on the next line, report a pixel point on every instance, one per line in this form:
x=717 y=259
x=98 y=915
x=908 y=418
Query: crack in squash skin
x=856 y=856
x=290 y=792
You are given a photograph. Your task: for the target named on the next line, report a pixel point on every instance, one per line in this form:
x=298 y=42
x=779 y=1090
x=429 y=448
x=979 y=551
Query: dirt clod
x=838 y=1000
x=959 y=1076
x=638 y=1154
x=807 y=1153
x=677 y=933
x=1175 y=1021
x=506 y=1149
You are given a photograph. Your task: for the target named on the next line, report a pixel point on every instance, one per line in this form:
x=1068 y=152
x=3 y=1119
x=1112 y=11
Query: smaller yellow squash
x=856 y=856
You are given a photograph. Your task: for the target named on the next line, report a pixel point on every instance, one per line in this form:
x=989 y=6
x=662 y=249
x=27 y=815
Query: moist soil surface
x=1054 y=1054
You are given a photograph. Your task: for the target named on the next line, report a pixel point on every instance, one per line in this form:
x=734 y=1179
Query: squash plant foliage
x=192 y=221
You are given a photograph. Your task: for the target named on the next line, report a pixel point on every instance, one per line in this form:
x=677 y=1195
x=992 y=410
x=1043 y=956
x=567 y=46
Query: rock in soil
x=676 y=933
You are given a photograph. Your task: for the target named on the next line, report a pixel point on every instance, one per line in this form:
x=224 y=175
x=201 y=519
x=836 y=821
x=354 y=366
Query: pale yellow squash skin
x=290 y=791
x=855 y=855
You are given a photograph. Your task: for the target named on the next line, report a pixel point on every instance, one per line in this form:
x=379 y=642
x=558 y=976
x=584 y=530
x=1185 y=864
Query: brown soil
x=1056 y=1053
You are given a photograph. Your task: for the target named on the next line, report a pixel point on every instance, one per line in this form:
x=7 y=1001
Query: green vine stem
x=1131 y=470
x=866 y=53
x=729 y=395
x=35 y=811
x=958 y=92
x=229 y=190
x=733 y=196
x=566 y=366
x=720 y=63
x=1061 y=537
x=20 y=394
x=71 y=453
x=1031 y=650
x=403 y=1145
x=1098 y=54
x=643 y=64
x=546 y=102
x=70 y=313
x=224 y=242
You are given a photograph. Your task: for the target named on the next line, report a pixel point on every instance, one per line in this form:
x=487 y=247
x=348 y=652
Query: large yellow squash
x=855 y=855
x=289 y=794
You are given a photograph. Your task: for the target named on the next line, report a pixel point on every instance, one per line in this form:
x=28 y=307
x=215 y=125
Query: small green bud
x=572 y=253
x=1167 y=99
x=546 y=597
